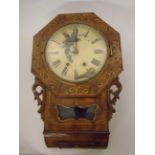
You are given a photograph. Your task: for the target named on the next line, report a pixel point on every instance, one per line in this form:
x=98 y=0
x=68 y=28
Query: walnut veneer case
x=76 y=61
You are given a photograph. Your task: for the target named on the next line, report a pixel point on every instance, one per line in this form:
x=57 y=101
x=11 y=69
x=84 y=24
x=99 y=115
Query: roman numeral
x=56 y=63
x=94 y=41
x=98 y=51
x=95 y=62
x=64 y=71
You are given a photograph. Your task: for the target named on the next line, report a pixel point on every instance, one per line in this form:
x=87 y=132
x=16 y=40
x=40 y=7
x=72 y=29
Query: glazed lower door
x=75 y=122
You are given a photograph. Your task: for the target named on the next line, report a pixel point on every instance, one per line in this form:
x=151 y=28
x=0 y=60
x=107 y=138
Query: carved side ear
x=113 y=95
x=38 y=91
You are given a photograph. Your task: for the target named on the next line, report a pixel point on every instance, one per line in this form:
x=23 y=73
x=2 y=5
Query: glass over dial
x=76 y=52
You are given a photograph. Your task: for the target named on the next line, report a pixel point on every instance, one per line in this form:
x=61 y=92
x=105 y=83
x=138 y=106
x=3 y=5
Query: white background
x=34 y=15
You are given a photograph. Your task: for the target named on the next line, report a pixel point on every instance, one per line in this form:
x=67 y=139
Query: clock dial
x=76 y=52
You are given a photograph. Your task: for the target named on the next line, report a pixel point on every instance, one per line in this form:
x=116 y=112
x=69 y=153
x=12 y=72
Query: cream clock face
x=76 y=52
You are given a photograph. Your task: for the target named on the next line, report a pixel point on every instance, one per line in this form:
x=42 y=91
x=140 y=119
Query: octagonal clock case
x=76 y=61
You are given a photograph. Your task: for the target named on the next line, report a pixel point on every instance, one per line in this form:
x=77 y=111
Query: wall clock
x=76 y=62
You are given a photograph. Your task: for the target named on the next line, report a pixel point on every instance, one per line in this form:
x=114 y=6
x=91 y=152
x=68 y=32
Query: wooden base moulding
x=82 y=140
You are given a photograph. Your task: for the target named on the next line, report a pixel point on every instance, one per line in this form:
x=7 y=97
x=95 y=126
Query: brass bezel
x=76 y=82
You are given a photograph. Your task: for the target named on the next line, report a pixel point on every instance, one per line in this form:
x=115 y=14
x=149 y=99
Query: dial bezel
x=83 y=81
